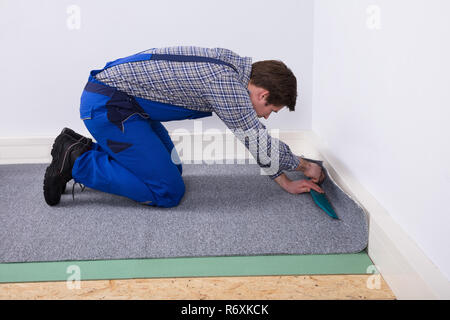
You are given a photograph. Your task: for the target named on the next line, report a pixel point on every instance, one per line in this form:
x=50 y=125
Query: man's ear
x=264 y=94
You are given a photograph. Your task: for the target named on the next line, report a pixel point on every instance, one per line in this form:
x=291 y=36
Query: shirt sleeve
x=231 y=102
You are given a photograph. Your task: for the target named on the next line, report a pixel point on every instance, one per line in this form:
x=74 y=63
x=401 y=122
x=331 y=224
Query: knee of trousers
x=170 y=194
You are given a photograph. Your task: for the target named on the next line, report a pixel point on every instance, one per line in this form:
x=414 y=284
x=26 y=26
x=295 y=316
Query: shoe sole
x=52 y=176
x=53 y=152
x=50 y=179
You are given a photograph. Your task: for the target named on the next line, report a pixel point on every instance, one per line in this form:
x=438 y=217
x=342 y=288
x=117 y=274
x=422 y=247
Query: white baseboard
x=25 y=150
x=406 y=269
x=37 y=149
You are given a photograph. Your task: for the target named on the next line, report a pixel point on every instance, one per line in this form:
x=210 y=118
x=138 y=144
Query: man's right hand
x=301 y=186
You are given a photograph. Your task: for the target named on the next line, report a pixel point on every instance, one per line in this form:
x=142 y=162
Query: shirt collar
x=245 y=70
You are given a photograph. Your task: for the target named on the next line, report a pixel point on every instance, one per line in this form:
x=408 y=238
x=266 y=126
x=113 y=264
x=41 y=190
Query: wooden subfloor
x=220 y=288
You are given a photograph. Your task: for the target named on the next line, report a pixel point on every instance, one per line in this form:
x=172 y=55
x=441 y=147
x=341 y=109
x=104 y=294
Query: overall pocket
x=122 y=106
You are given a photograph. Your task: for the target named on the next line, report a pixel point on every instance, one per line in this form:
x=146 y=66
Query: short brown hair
x=278 y=79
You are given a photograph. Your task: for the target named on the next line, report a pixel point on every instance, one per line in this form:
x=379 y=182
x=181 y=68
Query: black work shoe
x=65 y=151
x=77 y=136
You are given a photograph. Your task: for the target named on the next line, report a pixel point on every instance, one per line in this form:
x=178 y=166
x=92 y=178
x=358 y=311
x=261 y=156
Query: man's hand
x=311 y=170
x=301 y=186
x=297 y=186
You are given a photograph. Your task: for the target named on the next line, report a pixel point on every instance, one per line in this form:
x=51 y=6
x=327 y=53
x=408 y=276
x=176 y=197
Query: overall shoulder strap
x=186 y=58
x=167 y=57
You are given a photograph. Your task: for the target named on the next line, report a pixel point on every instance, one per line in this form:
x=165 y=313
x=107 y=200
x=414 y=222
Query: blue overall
x=133 y=153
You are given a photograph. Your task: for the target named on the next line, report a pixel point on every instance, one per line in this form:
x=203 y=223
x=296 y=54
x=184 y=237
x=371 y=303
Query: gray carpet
x=227 y=210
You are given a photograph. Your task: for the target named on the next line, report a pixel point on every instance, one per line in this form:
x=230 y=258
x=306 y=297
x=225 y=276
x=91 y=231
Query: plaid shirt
x=206 y=87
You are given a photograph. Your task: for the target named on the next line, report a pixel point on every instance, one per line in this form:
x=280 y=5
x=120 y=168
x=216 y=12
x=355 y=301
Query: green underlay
x=357 y=263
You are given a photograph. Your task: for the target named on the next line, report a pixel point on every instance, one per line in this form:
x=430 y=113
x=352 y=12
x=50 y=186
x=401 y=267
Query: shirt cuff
x=274 y=176
x=292 y=166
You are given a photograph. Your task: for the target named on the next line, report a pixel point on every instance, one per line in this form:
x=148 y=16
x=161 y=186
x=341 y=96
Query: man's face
x=264 y=109
x=258 y=96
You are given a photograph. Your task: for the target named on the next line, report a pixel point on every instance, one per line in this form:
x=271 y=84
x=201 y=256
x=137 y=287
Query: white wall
x=45 y=65
x=381 y=103
x=381 y=97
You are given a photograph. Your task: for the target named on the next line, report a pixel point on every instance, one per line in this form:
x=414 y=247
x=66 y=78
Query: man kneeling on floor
x=123 y=105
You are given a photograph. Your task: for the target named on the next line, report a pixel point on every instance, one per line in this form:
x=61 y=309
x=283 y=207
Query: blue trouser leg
x=97 y=170
x=133 y=154
x=163 y=135
x=134 y=163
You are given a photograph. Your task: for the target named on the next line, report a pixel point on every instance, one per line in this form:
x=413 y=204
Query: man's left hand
x=312 y=170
